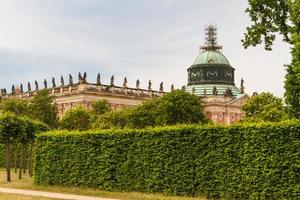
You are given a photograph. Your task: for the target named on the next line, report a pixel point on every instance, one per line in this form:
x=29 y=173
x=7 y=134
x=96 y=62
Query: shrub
x=242 y=161
x=77 y=118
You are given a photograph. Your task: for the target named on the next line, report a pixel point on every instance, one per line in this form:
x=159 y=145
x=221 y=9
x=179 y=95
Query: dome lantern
x=211 y=69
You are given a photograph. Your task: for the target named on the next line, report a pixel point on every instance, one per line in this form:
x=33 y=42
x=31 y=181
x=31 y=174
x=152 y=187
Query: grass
x=27 y=183
x=5 y=196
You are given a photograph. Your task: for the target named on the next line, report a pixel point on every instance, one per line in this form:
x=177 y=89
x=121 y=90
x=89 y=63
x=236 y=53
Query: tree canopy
x=43 y=108
x=173 y=108
x=77 y=118
x=17 y=106
x=264 y=107
x=278 y=17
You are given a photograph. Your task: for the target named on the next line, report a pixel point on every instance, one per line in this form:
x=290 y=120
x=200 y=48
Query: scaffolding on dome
x=211 y=39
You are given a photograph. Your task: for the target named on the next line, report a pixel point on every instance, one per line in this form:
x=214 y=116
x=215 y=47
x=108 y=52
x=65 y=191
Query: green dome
x=211 y=57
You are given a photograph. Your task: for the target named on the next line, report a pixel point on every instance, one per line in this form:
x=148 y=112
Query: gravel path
x=50 y=194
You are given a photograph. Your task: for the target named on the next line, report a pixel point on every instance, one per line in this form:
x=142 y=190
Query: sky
x=153 y=40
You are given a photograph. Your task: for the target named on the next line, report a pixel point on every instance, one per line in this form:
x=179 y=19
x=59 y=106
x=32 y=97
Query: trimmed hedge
x=234 y=162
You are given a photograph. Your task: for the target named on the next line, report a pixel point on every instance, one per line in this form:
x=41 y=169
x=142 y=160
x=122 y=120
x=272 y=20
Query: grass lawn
x=4 y=196
x=27 y=183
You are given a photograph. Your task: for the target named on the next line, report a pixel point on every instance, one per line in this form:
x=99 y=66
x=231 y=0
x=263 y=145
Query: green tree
x=77 y=118
x=16 y=106
x=264 y=107
x=44 y=109
x=100 y=107
x=11 y=127
x=173 y=108
x=181 y=107
x=269 y=18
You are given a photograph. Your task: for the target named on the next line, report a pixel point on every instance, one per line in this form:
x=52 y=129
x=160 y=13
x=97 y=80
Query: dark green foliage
x=180 y=107
x=100 y=107
x=270 y=17
x=173 y=108
x=17 y=106
x=264 y=107
x=235 y=162
x=292 y=82
x=77 y=118
x=44 y=109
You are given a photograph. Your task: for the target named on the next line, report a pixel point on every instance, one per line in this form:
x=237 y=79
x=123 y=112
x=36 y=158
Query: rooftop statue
x=70 y=79
x=45 y=83
x=193 y=90
x=21 y=87
x=84 y=78
x=215 y=91
x=161 y=86
x=149 y=85
x=137 y=84
x=62 y=82
x=183 y=88
x=172 y=88
x=98 y=79
x=13 y=89
x=112 y=80
x=125 y=82
x=28 y=86
x=36 y=85
x=53 y=82
x=80 y=77
x=242 y=86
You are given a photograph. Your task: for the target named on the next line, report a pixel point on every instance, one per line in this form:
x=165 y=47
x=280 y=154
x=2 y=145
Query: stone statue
x=70 y=79
x=53 y=82
x=125 y=82
x=21 y=87
x=149 y=85
x=13 y=89
x=137 y=84
x=36 y=85
x=215 y=91
x=204 y=91
x=45 y=83
x=183 y=88
x=62 y=81
x=28 y=86
x=112 y=80
x=84 y=77
x=228 y=92
x=161 y=86
x=193 y=90
x=172 y=88
x=4 y=91
x=79 y=77
x=98 y=79
x=242 y=86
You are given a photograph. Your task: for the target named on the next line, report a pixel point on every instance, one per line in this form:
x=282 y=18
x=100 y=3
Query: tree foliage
x=77 y=118
x=270 y=18
x=264 y=107
x=43 y=108
x=100 y=107
x=17 y=106
x=173 y=108
x=15 y=129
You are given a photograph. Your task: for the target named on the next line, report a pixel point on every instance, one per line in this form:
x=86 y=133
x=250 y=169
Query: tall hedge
x=234 y=162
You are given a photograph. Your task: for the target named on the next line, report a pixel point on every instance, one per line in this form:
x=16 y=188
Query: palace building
x=211 y=78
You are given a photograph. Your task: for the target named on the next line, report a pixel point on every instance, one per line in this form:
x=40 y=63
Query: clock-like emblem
x=228 y=74
x=214 y=73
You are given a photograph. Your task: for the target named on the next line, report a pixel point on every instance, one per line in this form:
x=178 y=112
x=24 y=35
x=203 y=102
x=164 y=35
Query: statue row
x=81 y=79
